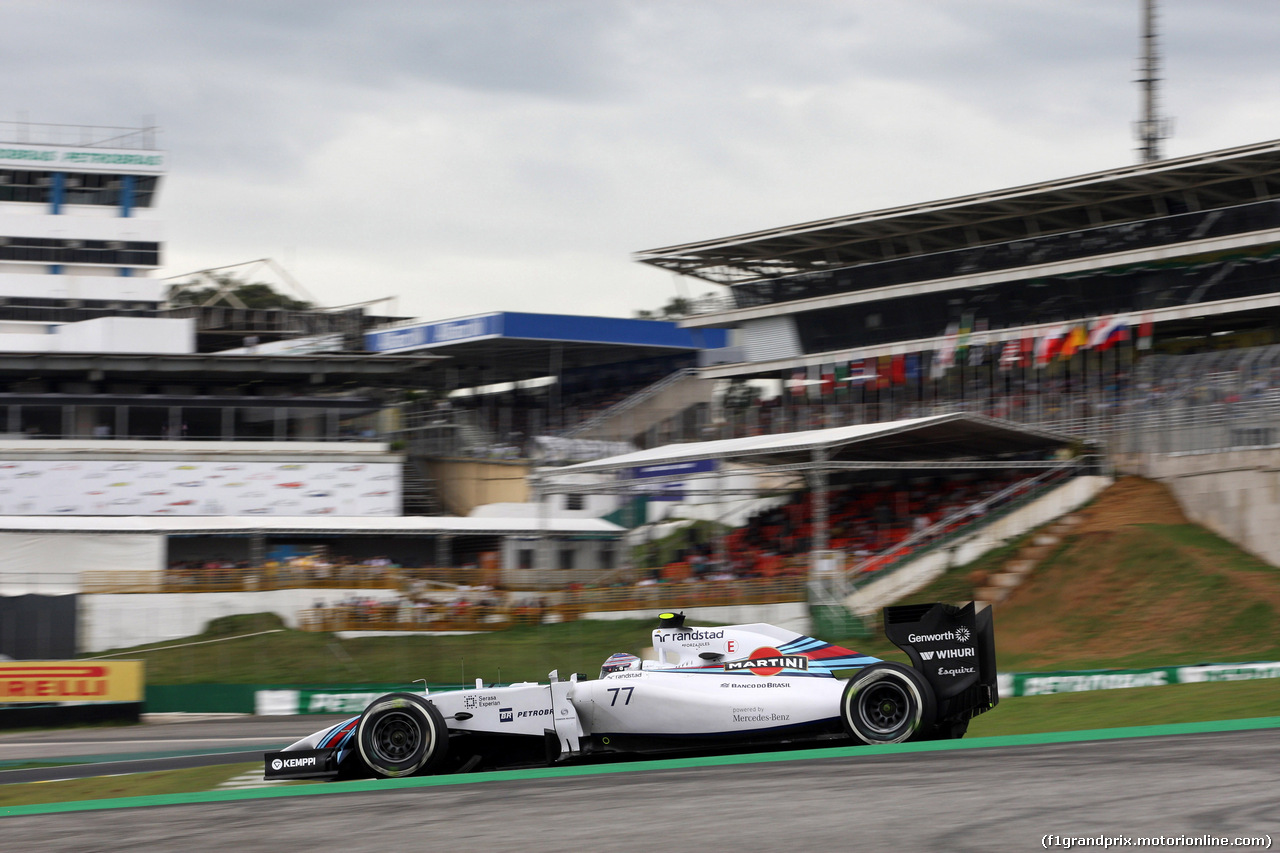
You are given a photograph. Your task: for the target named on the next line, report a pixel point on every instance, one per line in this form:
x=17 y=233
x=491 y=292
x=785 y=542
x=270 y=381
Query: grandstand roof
x=1203 y=181
x=511 y=346
x=929 y=442
x=375 y=525
x=312 y=370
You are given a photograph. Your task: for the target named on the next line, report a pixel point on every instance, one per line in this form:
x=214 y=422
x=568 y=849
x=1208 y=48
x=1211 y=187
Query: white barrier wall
x=51 y=564
x=149 y=335
x=121 y=621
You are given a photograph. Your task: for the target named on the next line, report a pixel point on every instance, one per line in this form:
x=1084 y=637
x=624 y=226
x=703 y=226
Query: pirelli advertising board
x=70 y=681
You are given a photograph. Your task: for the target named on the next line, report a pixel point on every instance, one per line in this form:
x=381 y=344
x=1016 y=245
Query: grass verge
x=126 y=785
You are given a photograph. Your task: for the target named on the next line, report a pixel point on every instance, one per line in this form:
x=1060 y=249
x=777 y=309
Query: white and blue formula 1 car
x=732 y=688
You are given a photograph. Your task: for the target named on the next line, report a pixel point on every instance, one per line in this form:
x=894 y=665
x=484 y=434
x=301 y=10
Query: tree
x=676 y=308
x=228 y=291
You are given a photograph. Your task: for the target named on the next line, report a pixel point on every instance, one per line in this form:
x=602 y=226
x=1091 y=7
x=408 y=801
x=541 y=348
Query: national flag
x=913 y=366
x=841 y=377
x=898 y=369
x=946 y=356
x=860 y=371
x=978 y=343
x=963 y=331
x=815 y=382
x=883 y=368
x=1145 y=332
x=828 y=380
x=1049 y=344
x=977 y=354
x=1010 y=354
x=1075 y=340
x=1028 y=350
x=1109 y=331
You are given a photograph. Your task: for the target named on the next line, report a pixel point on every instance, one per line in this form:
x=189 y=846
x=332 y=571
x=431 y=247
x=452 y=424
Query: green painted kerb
x=640 y=766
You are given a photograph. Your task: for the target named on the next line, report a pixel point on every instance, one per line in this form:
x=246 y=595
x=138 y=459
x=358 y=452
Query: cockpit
x=619 y=662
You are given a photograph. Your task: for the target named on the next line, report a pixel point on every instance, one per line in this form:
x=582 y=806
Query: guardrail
x=405 y=616
x=960 y=523
x=565 y=606
x=259 y=579
x=693 y=593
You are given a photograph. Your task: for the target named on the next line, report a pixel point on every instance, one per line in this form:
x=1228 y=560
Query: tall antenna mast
x=1150 y=128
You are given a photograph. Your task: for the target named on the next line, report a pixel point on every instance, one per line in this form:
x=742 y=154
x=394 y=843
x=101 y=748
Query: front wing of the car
x=301 y=764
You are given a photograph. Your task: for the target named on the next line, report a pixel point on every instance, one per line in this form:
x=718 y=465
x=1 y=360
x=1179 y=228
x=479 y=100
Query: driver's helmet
x=619 y=662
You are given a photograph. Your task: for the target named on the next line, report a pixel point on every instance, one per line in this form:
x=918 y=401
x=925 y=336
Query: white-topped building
x=77 y=216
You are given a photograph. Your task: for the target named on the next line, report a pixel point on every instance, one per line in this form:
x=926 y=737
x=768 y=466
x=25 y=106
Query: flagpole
x=990 y=377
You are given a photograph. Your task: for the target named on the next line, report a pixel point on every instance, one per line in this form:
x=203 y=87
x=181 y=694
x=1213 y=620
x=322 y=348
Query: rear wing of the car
x=954 y=648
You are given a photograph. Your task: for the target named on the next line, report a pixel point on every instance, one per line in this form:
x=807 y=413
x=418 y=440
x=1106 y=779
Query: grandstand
x=512 y=378
x=867 y=498
x=1029 y=303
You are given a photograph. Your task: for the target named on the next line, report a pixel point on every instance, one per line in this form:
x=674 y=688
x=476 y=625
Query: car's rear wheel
x=401 y=734
x=887 y=703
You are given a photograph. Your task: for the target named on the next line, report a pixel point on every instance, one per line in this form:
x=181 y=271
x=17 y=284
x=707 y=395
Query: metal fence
x=563 y=606
x=1127 y=402
x=85 y=136
x=266 y=578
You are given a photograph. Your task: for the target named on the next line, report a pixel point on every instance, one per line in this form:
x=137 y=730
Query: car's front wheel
x=887 y=703
x=401 y=734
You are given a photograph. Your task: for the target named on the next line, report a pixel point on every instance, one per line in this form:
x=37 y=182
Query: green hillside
x=1134 y=584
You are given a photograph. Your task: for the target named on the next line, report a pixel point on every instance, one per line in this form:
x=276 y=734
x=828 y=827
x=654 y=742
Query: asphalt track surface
x=997 y=797
x=168 y=743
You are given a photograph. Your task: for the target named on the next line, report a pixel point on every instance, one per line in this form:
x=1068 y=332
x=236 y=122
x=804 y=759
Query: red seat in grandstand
x=675 y=571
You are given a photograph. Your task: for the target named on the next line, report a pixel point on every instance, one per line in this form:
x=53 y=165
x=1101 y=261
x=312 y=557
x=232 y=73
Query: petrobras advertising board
x=667 y=490
x=438 y=334
x=80 y=159
x=150 y=487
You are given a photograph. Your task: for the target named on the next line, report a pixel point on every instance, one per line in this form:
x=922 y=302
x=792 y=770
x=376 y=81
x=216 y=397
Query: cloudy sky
x=479 y=155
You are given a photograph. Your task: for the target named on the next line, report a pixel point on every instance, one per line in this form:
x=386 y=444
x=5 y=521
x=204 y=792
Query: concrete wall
x=102 y=335
x=1234 y=493
x=672 y=400
x=587 y=560
x=465 y=484
x=894 y=586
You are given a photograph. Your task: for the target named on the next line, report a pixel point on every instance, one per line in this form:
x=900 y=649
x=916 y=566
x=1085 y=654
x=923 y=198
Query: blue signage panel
x=611 y=330
x=434 y=334
x=672 y=490
x=546 y=327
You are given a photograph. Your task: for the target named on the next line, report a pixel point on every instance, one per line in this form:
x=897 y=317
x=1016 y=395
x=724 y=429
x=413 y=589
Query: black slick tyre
x=887 y=703
x=401 y=734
